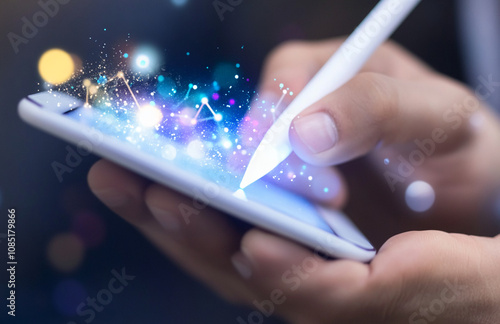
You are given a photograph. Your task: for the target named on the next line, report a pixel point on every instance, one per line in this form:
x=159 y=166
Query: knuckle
x=376 y=97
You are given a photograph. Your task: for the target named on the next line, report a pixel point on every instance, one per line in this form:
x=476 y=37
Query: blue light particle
x=187 y=53
x=125 y=55
x=102 y=79
x=152 y=103
x=238 y=65
x=325 y=190
x=387 y=161
x=161 y=78
x=281 y=85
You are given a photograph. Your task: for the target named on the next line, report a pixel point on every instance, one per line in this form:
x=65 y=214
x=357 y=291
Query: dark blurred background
x=67 y=242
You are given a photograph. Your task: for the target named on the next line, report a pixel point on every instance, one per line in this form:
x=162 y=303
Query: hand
x=411 y=270
x=409 y=122
x=417 y=277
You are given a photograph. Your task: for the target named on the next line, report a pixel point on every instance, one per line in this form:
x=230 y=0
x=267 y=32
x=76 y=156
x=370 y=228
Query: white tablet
x=197 y=169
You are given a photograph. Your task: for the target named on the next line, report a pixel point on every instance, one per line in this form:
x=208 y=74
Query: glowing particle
x=169 y=152
x=232 y=101
x=227 y=144
x=102 y=80
x=142 y=61
x=152 y=103
x=149 y=116
x=236 y=76
x=218 y=117
x=325 y=190
x=309 y=178
x=215 y=96
x=196 y=149
x=226 y=130
x=204 y=100
x=238 y=65
x=105 y=29
x=387 y=161
x=93 y=89
x=87 y=83
x=187 y=53
x=281 y=85
x=56 y=66
x=125 y=55
x=195 y=87
x=161 y=78
x=420 y=196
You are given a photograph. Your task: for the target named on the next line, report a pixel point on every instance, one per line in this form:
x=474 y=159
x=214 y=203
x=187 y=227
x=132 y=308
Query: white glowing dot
x=227 y=144
x=149 y=116
x=196 y=149
x=169 y=152
x=236 y=76
x=238 y=147
x=420 y=196
x=226 y=130
x=204 y=101
x=142 y=61
x=218 y=117
x=195 y=87
x=309 y=178
x=285 y=92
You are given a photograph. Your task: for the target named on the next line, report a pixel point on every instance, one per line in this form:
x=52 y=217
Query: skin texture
x=424 y=276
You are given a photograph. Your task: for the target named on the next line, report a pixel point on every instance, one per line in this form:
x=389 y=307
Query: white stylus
x=379 y=25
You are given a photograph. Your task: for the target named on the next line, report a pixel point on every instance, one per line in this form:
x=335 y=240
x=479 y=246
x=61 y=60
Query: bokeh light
x=146 y=59
x=65 y=252
x=186 y=116
x=196 y=149
x=67 y=295
x=169 y=152
x=420 y=196
x=179 y=3
x=89 y=227
x=56 y=66
x=149 y=116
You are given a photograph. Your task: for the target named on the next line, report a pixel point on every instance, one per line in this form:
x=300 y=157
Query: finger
x=124 y=193
x=121 y=190
x=373 y=109
x=286 y=276
x=196 y=225
x=293 y=65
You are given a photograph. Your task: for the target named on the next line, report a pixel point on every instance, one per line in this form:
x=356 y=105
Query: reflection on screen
x=208 y=151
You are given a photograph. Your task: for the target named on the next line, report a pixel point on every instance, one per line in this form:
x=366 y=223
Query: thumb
x=374 y=109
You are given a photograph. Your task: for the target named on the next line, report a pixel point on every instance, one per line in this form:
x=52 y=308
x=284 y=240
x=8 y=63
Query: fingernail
x=242 y=265
x=112 y=198
x=316 y=131
x=166 y=219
